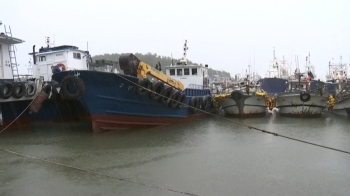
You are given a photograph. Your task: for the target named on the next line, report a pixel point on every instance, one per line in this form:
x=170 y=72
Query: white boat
x=305 y=97
x=16 y=91
x=243 y=101
x=338 y=86
x=341 y=104
x=277 y=77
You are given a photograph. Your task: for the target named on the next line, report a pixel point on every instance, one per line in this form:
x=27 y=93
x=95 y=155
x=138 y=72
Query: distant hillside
x=153 y=59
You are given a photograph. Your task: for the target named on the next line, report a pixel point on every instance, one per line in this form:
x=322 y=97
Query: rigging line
x=250 y=127
x=95 y=172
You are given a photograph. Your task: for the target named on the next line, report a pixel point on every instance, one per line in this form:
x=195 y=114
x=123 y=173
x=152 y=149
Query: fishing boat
x=245 y=100
x=305 y=96
x=50 y=105
x=16 y=91
x=277 y=77
x=338 y=86
x=139 y=95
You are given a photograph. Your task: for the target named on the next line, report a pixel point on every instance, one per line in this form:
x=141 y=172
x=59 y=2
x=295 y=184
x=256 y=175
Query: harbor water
x=208 y=156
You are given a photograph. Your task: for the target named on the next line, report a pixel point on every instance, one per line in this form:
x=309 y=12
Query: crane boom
x=131 y=65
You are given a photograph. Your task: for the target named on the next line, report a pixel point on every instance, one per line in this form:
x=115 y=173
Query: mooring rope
x=95 y=172
x=20 y=113
x=149 y=185
x=250 y=127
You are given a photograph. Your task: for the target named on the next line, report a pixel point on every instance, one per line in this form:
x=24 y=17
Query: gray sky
x=227 y=35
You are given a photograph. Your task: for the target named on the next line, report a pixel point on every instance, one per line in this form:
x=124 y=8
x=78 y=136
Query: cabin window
x=59 y=54
x=179 y=72
x=42 y=58
x=194 y=71
x=76 y=55
x=172 y=72
x=186 y=72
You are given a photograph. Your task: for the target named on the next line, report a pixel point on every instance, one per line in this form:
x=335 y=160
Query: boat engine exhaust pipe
x=34 y=59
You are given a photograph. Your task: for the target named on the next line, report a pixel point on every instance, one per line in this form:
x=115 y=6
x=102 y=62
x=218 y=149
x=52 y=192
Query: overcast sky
x=227 y=35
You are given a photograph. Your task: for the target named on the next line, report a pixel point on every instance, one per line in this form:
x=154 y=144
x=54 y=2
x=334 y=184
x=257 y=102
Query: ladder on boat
x=12 y=55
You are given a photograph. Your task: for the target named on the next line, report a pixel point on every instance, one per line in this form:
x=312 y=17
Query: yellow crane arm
x=131 y=65
x=144 y=69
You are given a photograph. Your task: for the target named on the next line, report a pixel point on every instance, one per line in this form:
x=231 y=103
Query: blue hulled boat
x=16 y=91
x=137 y=95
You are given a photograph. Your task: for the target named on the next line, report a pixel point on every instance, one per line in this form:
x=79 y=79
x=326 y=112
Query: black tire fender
x=182 y=100
x=157 y=90
x=5 y=90
x=193 y=104
x=175 y=99
x=236 y=95
x=144 y=84
x=18 y=89
x=72 y=81
x=30 y=89
x=166 y=95
x=200 y=103
x=305 y=97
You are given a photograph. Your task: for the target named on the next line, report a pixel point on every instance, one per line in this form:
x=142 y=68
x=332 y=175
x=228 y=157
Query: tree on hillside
x=153 y=59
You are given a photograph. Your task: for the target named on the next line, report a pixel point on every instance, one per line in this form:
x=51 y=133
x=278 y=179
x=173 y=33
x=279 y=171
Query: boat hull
x=247 y=106
x=342 y=107
x=14 y=113
x=112 y=102
x=290 y=104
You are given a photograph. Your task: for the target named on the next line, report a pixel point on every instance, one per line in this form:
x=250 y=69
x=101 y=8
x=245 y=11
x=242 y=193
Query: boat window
x=179 y=72
x=42 y=58
x=172 y=72
x=186 y=71
x=194 y=71
x=76 y=55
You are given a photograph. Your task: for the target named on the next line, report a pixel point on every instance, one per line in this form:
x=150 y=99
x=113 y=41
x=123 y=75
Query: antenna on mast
x=184 y=59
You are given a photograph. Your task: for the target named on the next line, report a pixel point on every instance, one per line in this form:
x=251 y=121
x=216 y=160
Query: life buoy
x=193 y=104
x=18 y=89
x=236 y=95
x=5 y=90
x=167 y=93
x=157 y=89
x=305 y=97
x=62 y=66
x=182 y=101
x=144 y=84
x=30 y=89
x=175 y=99
x=72 y=87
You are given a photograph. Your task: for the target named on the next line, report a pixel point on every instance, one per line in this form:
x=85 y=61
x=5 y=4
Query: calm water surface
x=209 y=156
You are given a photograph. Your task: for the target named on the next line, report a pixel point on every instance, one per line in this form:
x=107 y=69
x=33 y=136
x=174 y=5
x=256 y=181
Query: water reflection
x=209 y=156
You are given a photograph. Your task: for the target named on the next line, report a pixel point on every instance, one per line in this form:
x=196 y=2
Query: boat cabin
x=8 y=64
x=191 y=76
x=59 y=58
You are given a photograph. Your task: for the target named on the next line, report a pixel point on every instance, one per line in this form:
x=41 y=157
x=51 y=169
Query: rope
x=149 y=185
x=248 y=126
x=95 y=172
x=20 y=114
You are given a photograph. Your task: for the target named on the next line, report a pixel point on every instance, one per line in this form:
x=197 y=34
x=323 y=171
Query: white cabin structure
x=191 y=76
x=8 y=64
x=70 y=56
